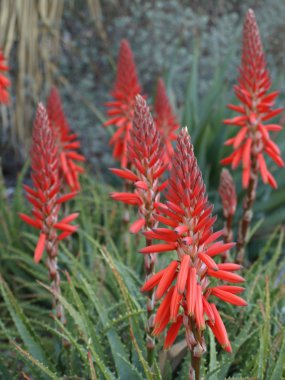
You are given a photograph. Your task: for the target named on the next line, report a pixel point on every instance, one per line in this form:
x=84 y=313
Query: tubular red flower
x=175 y=303
x=173 y=332
x=228 y=297
x=4 y=81
x=253 y=139
x=40 y=247
x=219 y=329
x=165 y=120
x=121 y=110
x=189 y=216
x=67 y=143
x=153 y=281
x=183 y=274
x=166 y=280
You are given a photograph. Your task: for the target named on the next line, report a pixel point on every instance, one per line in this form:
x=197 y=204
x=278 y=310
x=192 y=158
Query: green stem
x=150 y=342
x=247 y=215
x=196 y=367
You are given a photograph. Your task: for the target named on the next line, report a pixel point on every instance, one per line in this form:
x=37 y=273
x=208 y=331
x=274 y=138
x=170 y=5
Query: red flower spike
x=4 y=81
x=66 y=141
x=46 y=202
x=165 y=120
x=145 y=153
x=189 y=216
x=253 y=139
x=45 y=195
x=121 y=110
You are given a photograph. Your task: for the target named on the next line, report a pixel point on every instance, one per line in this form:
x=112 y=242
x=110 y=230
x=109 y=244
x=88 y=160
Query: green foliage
x=104 y=334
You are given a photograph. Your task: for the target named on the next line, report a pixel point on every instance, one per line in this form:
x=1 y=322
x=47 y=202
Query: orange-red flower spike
x=145 y=153
x=253 y=140
x=165 y=120
x=121 y=109
x=66 y=141
x=45 y=194
x=184 y=283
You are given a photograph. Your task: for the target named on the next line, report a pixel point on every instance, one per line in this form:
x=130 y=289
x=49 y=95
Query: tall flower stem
x=247 y=215
x=228 y=197
x=125 y=226
x=51 y=263
x=194 y=373
x=150 y=341
x=196 y=350
x=228 y=234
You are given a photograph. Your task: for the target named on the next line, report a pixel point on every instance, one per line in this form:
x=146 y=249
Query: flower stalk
x=253 y=140
x=228 y=197
x=184 y=283
x=46 y=201
x=244 y=224
x=145 y=154
x=121 y=108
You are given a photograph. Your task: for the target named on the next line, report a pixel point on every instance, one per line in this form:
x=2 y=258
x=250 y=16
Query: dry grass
x=30 y=35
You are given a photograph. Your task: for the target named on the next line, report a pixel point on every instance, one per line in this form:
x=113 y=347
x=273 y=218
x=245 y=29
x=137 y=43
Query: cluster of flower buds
x=253 y=139
x=121 y=109
x=184 y=283
x=4 y=81
x=67 y=142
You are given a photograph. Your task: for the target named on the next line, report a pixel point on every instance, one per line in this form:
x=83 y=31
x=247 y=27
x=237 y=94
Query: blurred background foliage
x=194 y=45
x=75 y=43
